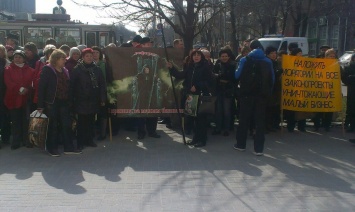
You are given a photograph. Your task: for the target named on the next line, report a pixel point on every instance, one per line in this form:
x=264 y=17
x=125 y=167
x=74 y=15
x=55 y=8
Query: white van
x=281 y=43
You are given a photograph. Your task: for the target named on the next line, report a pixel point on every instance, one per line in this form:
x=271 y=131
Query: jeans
x=223 y=112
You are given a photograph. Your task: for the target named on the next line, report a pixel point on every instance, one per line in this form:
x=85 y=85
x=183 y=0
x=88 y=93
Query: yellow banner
x=311 y=84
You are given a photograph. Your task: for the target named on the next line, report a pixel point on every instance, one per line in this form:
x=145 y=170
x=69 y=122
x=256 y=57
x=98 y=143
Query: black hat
x=12 y=36
x=255 y=44
x=137 y=39
x=146 y=40
x=20 y=52
x=325 y=47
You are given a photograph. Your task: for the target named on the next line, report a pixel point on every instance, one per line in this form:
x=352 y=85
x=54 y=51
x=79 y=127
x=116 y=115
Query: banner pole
x=172 y=84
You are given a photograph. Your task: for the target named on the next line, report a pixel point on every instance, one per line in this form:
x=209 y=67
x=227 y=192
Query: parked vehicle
x=345 y=58
x=281 y=43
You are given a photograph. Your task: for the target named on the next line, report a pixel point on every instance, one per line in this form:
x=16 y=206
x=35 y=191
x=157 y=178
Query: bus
x=43 y=26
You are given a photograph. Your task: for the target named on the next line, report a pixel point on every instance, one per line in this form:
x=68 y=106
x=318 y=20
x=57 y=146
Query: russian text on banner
x=311 y=84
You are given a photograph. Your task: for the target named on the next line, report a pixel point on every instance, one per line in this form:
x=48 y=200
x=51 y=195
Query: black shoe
x=15 y=147
x=72 y=152
x=302 y=129
x=101 y=138
x=352 y=141
x=200 y=144
x=169 y=126
x=238 y=148
x=92 y=144
x=316 y=129
x=54 y=153
x=188 y=132
x=140 y=137
x=154 y=135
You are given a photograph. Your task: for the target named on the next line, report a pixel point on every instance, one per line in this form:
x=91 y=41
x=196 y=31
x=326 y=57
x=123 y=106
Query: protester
x=5 y=122
x=253 y=98
x=31 y=53
x=18 y=80
x=74 y=56
x=225 y=90
x=197 y=79
x=348 y=78
x=10 y=51
x=89 y=93
x=13 y=40
x=54 y=101
x=323 y=49
x=324 y=119
x=292 y=117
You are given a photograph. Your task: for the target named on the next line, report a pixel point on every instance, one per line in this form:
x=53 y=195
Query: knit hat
x=74 y=49
x=146 y=40
x=137 y=39
x=81 y=47
x=32 y=47
x=255 y=44
x=20 y=52
x=86 y=51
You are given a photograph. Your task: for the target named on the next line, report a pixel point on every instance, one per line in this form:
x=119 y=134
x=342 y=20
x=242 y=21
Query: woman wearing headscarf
x=89 y=93
x=198 y=79
x=72 y=61
x=18 y=81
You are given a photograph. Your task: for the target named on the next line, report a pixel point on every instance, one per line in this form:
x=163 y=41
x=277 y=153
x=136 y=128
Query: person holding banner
x=290 y=115
x=198 y=79
x=325 y=117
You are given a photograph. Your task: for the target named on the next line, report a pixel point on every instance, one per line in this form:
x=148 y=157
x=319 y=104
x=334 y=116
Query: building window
x=323 y=35
x=312 y=49
x=335 y=37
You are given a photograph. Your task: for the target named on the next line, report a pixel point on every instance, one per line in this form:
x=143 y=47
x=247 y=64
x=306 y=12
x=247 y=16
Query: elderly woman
x=89 y=93
x=18 y=81
x=53 y=100
x=325 y=117
x=72 y=61
x=198 y=78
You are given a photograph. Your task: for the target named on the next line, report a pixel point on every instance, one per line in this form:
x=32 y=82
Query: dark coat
x=33 y=61
x=226 y=82
x=196 y=74
x=86 y=95
x=70 y=64
x=348 y=78
x=47 y=86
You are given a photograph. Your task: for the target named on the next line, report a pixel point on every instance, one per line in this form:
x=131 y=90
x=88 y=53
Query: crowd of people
x=71 y=83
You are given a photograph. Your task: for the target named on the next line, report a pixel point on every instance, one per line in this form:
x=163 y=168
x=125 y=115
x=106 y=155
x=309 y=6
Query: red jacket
x=16 y=77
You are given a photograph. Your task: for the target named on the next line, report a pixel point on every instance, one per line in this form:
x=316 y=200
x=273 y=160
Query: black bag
x=207 y=104
x=251 y=79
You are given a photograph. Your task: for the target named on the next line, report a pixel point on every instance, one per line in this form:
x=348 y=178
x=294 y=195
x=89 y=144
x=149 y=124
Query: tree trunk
x=190 y=29
x=234 y=40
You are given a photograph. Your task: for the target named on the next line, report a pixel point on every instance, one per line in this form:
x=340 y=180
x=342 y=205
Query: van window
x=273 y=43
x=283 y=46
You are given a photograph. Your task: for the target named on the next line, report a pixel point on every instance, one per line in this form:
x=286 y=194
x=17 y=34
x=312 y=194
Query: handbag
x=191 y=104
x=37 y=130
x=207 y=104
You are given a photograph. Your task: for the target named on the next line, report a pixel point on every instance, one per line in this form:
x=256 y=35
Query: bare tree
x=144 y=12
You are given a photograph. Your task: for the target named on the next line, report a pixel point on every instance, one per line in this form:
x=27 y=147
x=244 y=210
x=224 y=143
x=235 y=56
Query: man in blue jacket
x=256 y=78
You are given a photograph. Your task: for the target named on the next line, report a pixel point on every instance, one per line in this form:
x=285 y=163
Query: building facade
x=18 y=6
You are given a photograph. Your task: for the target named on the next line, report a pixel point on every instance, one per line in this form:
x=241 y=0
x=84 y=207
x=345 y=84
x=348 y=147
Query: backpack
x=251 y=79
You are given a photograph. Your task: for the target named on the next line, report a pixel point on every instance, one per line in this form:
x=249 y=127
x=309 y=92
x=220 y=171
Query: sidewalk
x=299 y=172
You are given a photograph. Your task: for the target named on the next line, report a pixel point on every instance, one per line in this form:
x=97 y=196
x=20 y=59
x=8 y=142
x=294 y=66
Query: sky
x=84 y=14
